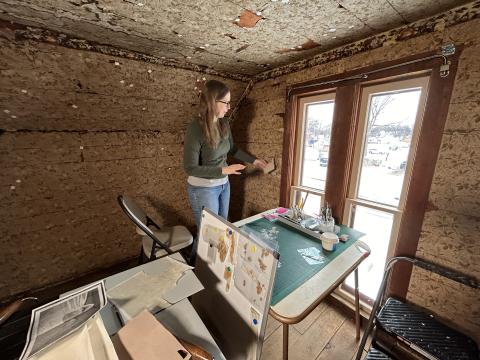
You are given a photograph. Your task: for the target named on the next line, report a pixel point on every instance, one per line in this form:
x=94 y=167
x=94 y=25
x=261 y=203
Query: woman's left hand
x=260 y=163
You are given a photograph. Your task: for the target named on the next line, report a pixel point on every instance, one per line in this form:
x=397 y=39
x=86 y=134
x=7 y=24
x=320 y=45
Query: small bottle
x=331 y=224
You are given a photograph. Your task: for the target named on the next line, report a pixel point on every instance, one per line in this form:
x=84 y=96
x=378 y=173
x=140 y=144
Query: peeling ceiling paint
x=204 y=34
x=248 y=19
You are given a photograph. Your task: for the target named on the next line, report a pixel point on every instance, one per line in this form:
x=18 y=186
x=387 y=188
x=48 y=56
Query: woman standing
x=208 y=141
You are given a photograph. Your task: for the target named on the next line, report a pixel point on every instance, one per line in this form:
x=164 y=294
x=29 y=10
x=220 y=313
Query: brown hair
x=212 y=91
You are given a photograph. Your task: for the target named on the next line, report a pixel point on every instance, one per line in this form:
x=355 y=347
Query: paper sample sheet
x=251 y=275
x=146 y=291
x=270 y=167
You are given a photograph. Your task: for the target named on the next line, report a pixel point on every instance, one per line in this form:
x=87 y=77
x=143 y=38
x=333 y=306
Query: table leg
x=285 y=341
x=357 y=306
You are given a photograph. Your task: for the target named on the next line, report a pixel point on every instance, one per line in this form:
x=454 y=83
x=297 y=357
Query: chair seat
x=175 y=237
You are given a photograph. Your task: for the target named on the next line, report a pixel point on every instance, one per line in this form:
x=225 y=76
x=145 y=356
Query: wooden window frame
x=299 y=144
x=342 y=144
x=367 y=90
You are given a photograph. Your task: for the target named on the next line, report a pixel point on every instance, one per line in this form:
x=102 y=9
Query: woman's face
x=222 y=106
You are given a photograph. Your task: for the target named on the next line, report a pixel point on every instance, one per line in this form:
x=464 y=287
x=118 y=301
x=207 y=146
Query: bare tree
x=377 y=105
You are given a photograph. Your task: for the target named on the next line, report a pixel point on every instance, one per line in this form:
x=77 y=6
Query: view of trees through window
x=389 y=129
x=383 y=124
x=390 y=122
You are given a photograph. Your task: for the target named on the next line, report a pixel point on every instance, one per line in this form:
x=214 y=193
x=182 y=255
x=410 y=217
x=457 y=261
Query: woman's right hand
x=233 y=169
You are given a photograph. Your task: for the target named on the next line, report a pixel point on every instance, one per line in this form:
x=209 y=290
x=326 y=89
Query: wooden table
x=308 y=293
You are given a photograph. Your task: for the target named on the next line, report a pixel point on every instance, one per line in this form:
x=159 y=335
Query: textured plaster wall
x=451 y=228
x=450 y=233
x=77 y=129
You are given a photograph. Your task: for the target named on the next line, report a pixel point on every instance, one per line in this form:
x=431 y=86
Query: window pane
x=312 y=203
x=391 y=118
x=318 y=128
x=378 y=227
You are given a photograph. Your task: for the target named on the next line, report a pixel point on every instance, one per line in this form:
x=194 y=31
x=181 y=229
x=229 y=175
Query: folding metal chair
x=156 y=241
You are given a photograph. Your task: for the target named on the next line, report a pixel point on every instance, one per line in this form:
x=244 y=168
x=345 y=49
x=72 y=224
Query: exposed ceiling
x=233 y=36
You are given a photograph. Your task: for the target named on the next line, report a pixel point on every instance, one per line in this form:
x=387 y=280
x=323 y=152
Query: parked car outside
x=397 y=160
x=374 y=157
x=323 y=159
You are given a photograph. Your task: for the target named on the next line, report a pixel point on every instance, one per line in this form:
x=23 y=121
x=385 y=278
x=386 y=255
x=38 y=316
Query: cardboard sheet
x=145 y=338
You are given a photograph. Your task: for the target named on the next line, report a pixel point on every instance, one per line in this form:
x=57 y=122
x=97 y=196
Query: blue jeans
x=215 y=198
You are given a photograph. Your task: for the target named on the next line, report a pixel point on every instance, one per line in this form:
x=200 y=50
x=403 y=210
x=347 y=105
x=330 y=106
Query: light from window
x=378 y=227
x=318 y=129
x=391 y=118
x=312 y=202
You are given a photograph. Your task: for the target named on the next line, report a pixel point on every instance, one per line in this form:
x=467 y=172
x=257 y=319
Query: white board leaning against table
x=237 y=272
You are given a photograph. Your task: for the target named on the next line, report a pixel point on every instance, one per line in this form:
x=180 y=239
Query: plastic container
x=310 y=223
x=329 y=241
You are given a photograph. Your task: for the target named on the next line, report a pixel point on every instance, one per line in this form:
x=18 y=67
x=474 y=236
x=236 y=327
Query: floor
x=327 y=333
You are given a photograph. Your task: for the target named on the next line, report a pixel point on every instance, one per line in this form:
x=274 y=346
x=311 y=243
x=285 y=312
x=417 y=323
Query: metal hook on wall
x=445 y=68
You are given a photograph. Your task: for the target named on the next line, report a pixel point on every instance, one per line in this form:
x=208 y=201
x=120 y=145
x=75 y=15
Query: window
x=390 y=116
x=315 y=114
x=385 y=135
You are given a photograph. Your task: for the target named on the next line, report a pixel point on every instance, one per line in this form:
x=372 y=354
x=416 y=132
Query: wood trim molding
x=299 y=88
x=341 y=149
x=288 y=154
x=436 y=111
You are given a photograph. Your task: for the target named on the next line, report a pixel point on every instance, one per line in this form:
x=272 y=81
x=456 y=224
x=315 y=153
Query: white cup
x=329 y=241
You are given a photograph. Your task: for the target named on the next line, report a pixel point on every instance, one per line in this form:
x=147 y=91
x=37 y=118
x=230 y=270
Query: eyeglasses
x=224 y=102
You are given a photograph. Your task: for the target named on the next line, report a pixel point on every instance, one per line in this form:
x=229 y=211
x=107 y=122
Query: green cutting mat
x=293 y=270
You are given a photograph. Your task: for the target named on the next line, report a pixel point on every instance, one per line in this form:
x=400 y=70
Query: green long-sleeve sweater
x=201 y=160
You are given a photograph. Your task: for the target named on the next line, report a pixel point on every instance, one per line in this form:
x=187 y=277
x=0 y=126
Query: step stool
x=401 y=330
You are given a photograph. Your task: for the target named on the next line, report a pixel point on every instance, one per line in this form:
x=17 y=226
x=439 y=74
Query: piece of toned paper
x=187 y=285
x=270 y=167
x=146 y=291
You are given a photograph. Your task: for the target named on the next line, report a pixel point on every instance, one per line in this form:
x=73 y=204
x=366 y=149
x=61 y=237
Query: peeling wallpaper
x=432 y=24
x=78 y=129
x=213 y=34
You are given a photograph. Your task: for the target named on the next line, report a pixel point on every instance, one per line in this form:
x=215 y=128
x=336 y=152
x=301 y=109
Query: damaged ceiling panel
x=240 y=37
x=319 y=20
x=368 y=11
x=248 y=19
x=414 y=10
